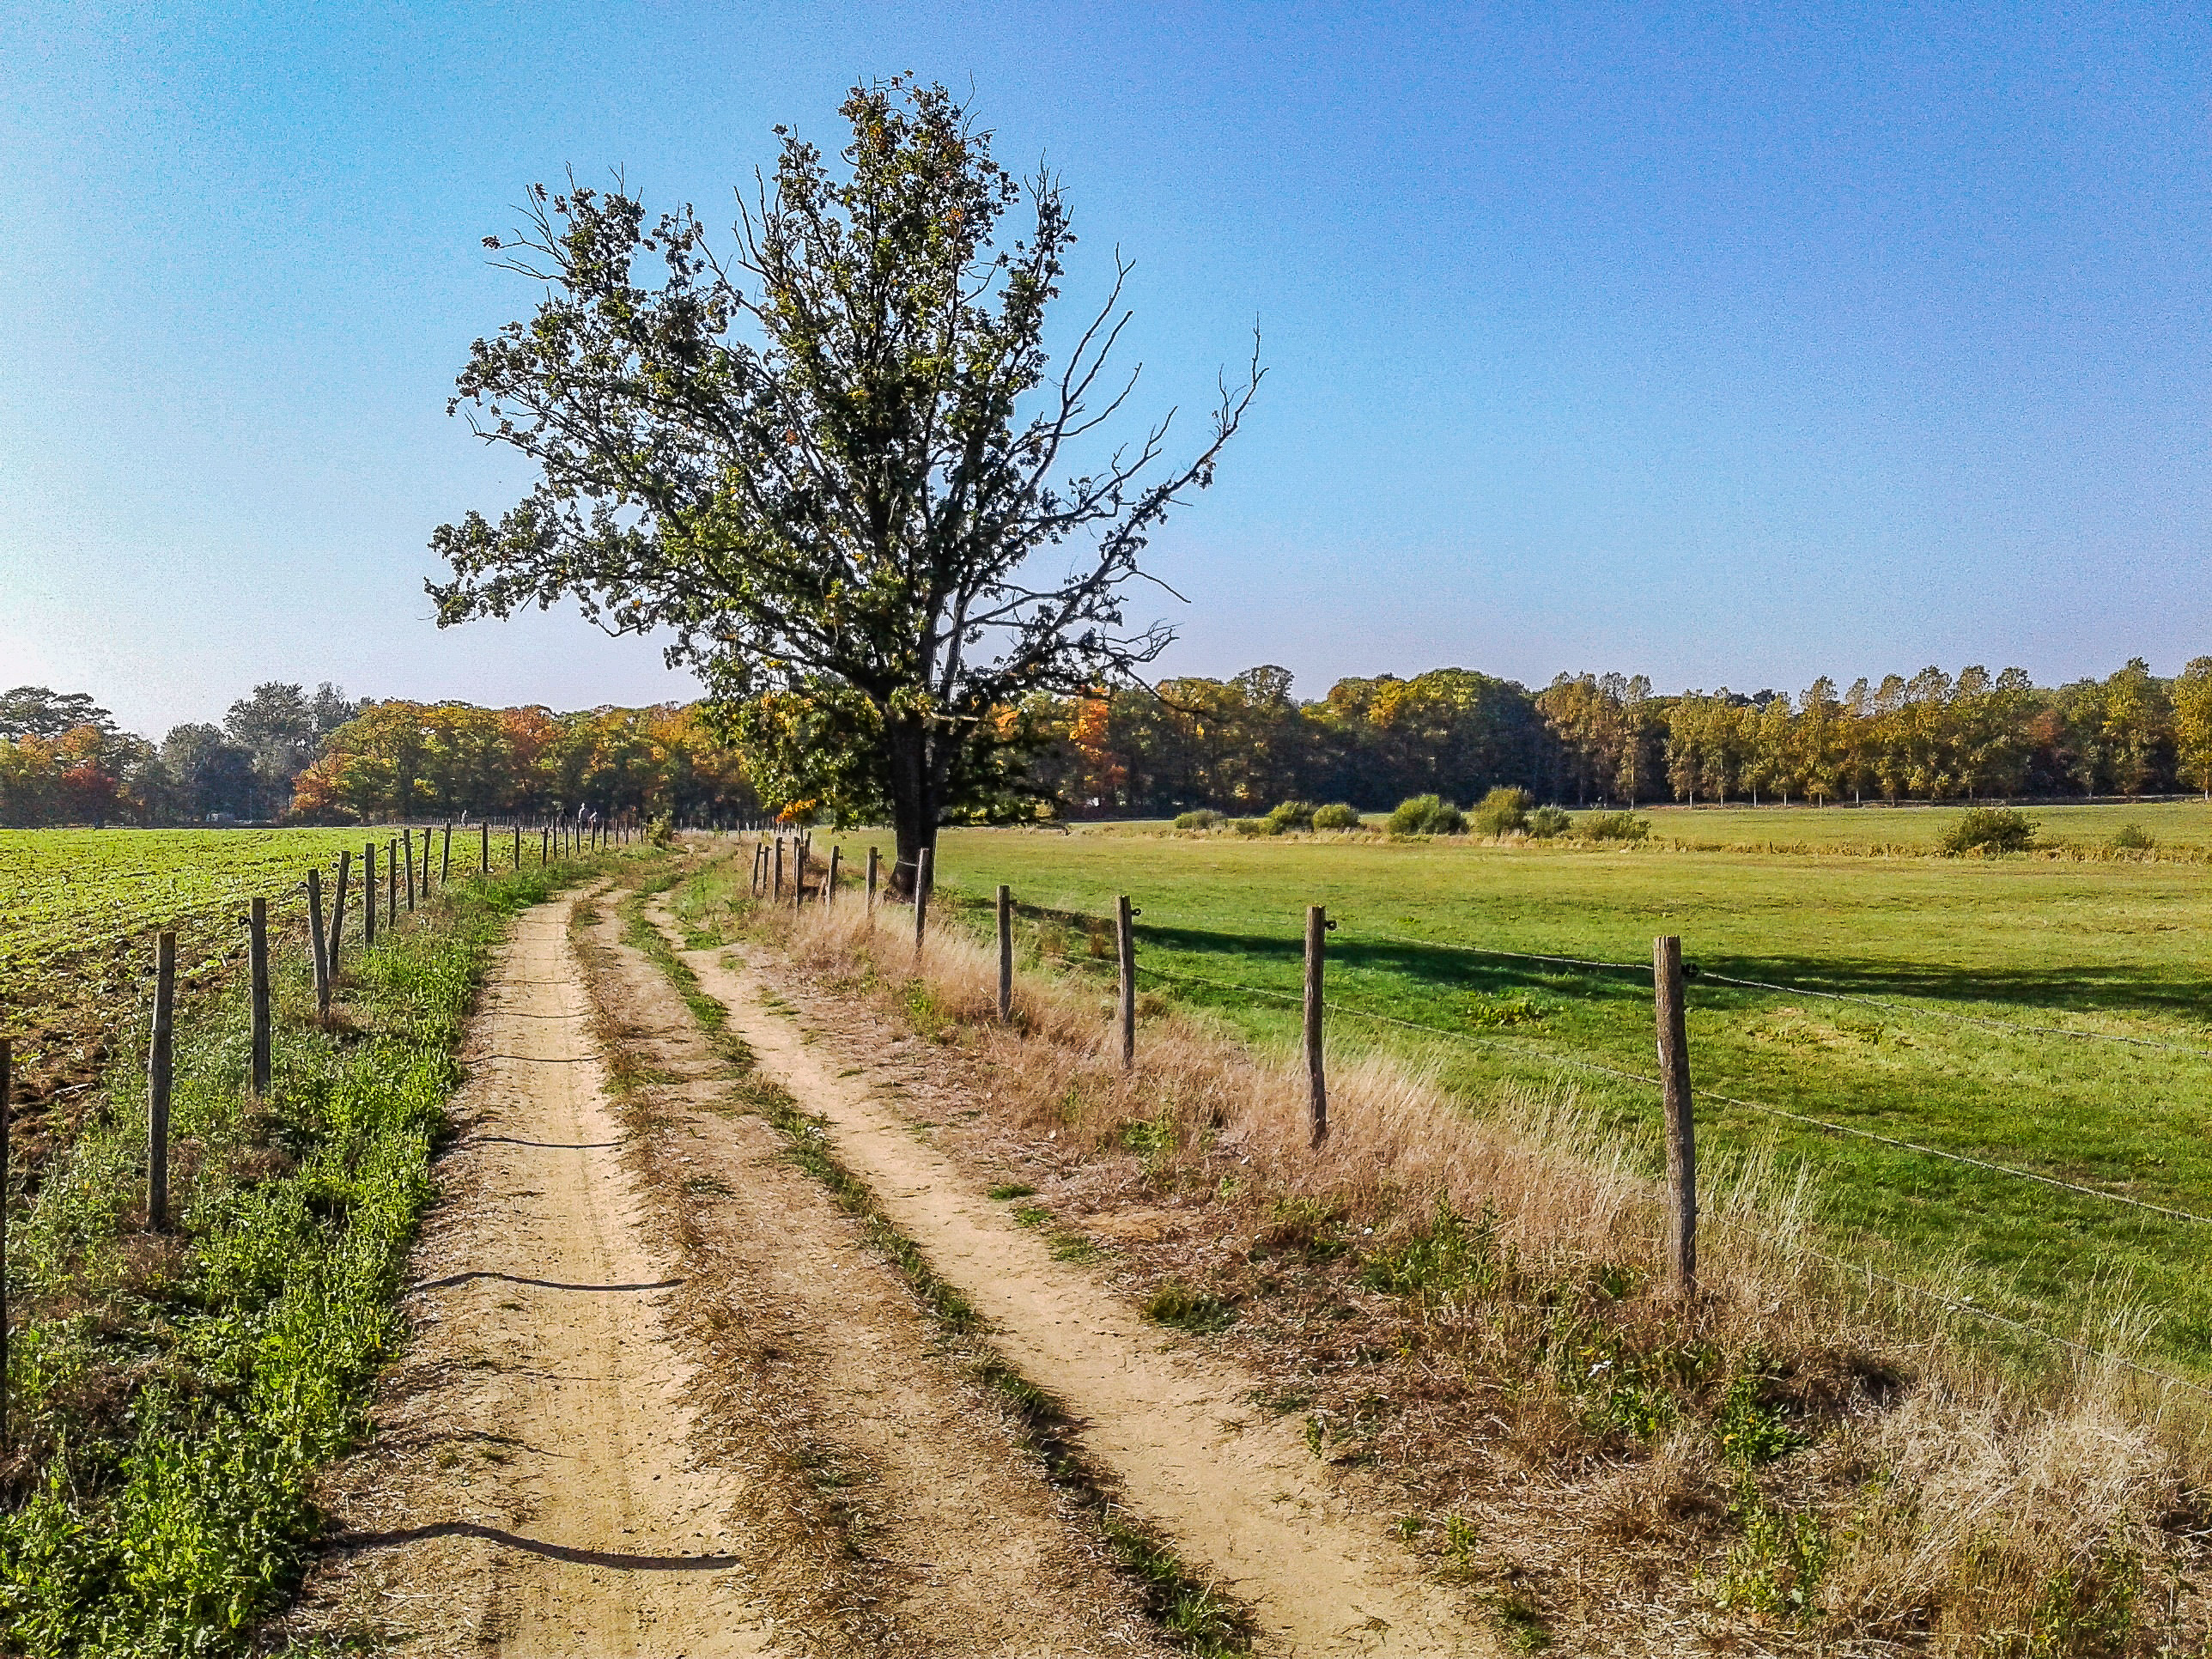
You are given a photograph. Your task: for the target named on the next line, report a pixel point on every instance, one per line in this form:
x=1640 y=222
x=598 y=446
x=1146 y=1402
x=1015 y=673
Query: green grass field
x=2118 y=948
x=73 y=903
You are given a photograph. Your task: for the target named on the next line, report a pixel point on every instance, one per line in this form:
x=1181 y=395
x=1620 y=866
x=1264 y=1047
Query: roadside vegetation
x=1464 y=1290
x=172 y=1395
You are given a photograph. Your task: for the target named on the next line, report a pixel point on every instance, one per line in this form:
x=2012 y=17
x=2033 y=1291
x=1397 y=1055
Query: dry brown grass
x=1912 y=1489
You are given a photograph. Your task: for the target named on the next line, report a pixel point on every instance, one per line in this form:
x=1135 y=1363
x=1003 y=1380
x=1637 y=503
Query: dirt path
x=912 y=1519
x=1235 y=1491
x=533 y=1491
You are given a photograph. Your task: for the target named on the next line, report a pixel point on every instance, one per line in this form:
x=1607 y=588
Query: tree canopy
x=835 y=467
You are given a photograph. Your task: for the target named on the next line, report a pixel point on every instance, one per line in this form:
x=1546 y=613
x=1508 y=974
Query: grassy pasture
x=2116 y=948
x=73 y=903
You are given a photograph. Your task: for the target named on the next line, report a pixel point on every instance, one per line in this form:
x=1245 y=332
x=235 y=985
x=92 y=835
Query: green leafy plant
x=1613 y=826
x=1546 y=821
x=1427 y=815
x=2133 y=838
x=1502 y=813
x=1204 y=818
x=1990 y=829
x=1337 y=815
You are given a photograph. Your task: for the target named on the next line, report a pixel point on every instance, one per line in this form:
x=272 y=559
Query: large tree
x=832 y=464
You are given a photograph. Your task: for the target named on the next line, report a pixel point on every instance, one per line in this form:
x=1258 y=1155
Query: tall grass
x=1801 y=1448
x=172 y=1395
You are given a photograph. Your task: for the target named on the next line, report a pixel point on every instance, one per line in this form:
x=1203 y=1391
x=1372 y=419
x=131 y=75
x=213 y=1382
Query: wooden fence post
x=775 y=892
x=798 y=874
x=392 y=884
x=368 y=894
x=158 y=1074
x=1124 y=958
x=257 y=953
x=1681 y=1126
x=337 y=910
x=407 y=846
x=426 y=864
x=446 y=863
x=873 y=858
x=829 y=887
x=483 y=830
x=1317 y=926
x=518 y=843
x=321 y=945
x=921 y=897
x=1005 y=954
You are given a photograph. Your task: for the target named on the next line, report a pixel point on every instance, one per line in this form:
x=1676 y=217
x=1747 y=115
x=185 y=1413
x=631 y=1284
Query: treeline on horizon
x=1238 y=745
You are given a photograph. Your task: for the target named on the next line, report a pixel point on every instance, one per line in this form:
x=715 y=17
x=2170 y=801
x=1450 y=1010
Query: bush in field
x=1251 y=826
x=1546 y=821
x=1291 y=815
x=1427 y=815
x=1336 y=816
x=1204 y=818
x=1502 y=813
x=1990 y=829
x=1613 y=826
x=2133 y=838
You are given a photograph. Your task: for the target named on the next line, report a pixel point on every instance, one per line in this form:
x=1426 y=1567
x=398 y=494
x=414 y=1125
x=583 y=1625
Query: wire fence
x=1317 y=1008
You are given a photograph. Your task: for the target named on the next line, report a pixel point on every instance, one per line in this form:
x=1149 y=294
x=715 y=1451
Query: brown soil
x=1235 y=1490
x=661 y=1398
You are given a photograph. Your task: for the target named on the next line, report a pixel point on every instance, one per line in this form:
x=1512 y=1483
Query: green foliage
x=1187 y=1309
x=1204 y=818
x=1613 y=826
x=1426 y=815
x=1990 y=829
x=1449 y=1254
x=1546 y=821
x=2132 y=837
x=1291 y=815
x=1250 y=826
x=1337 y=815
x=1502 y=811
x=247 y=1361
x=802 y=462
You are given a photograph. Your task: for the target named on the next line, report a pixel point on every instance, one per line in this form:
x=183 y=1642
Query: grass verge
x=174 y=1394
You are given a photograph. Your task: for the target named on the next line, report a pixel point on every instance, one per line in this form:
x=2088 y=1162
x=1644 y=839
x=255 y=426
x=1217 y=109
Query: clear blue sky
x=1721 y=344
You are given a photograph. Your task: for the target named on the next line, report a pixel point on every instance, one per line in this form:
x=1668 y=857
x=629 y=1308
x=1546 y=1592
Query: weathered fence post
x=518 y=843
x=775 y=892
x=337 y=911
x=426 y=864
x=830 y=886
x=921 y=897
x=392 y=884
x=1681 y=1126
x=798 y=874
x=1005 y=954
x=321 y=945
x=158 y=1074
x=483 y=830
x=368 y=894
x=873 y=858
x=1317 y=926
x=407 y=846
x=257 y=954
x=1125 y=960
x=446 y=863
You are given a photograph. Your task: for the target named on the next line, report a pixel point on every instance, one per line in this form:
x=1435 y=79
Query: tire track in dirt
x=915 y=1520
x=533 y=1491
x=1233 y=1490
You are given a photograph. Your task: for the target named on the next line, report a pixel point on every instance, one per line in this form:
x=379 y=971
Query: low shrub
x=1613 y=826
x=1990 y=829
x=1291 y=815
x=1427 y=815
x=1546 y=821
x=2134 y=838
x=1252 y=827
x=1204 y=818
x=1337 y=817
x=1502 y=813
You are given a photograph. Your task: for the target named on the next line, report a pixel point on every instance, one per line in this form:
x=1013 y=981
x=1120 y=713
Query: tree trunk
x=915 y=805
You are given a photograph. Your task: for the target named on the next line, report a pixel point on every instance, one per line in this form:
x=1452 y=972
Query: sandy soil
x=1236 y=1491
x=533 y=1491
